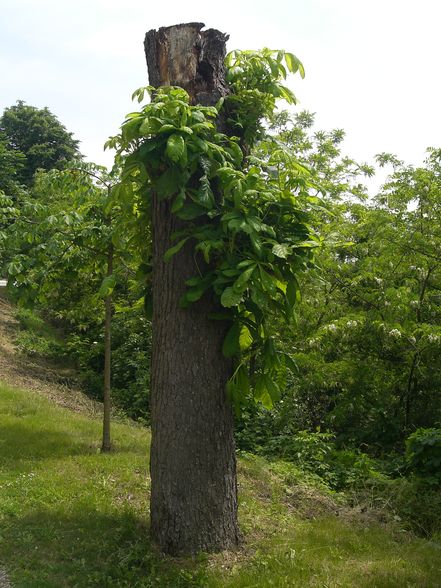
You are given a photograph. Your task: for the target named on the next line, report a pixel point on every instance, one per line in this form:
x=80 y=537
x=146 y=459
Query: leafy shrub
x=254 y=427
x=131 y=344
x=423 y=454
x=350 y=468
x=317 y=453
x=308 y=449
x=418 y=505
x=131 y=333
x=411 y=502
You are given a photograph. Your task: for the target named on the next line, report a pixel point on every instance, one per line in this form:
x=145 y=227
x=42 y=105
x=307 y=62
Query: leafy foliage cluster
x=255 y=79
x=246 y=217
x=423 y=453
x=317 y=454
x=367 y=336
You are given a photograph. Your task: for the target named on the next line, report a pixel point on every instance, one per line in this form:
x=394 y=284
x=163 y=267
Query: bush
x=423 y=454
x=317 y=453
x=131 y=344
x=350 y=468
x=410 y=502
x=131 y=339
x=254 y=427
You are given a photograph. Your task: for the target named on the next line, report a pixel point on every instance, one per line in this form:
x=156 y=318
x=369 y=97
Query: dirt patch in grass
x=309 y=503
x=20 y=371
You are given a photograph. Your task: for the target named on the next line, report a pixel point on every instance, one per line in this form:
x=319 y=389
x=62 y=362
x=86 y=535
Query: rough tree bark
x=193 y=465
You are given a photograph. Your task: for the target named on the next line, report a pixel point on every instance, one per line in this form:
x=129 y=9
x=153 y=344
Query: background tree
x=68 y=249
x=36 y=134
x=367 y=337
x=11 y=166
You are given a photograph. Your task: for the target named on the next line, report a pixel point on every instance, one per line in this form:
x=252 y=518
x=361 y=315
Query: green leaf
x=261 y=393
x=231 y=344
x=291 y=363
x=14 y=268
x=197 y=289
x=198 y=115
x=173 y=250
x=197 y=144
x=241 y=282
x=272 y=387
x=230 y=298
x=230 y=272
x=168 y=183
x=107 y=286
x=145 y=128
x=292 y=292
x=146 y=148
x=238 y=388
x=219 y=103
x=236 y=152
x=245 y=338
x=139 y=94
x=256 y=243
x=246 y=263
x=190 y=210
x=307 y=244
x=269 y=283
x=175 y=147
x=258 y=297
x=205 y=195
x=294 y=64
x=178 y=202
x=282 y=250
x=166 y=129
x=243 y=382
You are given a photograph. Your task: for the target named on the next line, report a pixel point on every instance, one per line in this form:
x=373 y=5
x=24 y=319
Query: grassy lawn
x=71 y=517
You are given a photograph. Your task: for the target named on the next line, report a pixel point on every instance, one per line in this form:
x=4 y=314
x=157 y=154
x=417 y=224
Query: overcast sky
x=372 y=66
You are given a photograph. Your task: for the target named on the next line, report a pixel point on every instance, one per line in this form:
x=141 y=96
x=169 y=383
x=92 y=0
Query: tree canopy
x=36 y=139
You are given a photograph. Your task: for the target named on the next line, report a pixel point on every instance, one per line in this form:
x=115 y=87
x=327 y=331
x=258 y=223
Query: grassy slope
x=71 y=517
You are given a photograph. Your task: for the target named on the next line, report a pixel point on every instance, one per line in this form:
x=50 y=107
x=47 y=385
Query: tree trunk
x=412 y=380
x=107 y=445
x=193 y=465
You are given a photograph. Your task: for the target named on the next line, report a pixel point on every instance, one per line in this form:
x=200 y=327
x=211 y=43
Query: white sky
x=372 y=66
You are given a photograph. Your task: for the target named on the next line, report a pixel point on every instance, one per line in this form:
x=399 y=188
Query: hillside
x=72 y=517
x=35 y=374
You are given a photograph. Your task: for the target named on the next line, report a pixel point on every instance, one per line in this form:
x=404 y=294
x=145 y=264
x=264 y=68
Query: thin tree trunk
x=193 y=465
x=411 y=380
x=107 y=445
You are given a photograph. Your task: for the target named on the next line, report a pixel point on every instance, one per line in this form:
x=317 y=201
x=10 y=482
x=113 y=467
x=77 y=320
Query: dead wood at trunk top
x=184 y=55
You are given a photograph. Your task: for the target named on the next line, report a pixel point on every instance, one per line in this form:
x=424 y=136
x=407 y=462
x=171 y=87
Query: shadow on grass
x=48 y=550
x=86 y=548
x=28 y=441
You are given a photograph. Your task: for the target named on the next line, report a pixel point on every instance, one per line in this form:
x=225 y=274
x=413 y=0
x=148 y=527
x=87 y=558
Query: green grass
x=71 y=517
